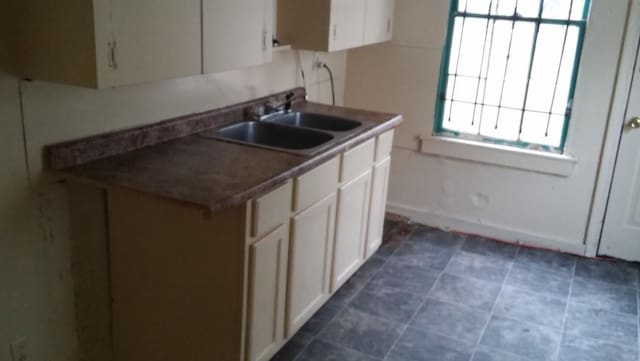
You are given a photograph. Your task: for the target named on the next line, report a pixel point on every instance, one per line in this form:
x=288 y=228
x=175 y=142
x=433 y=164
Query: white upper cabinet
x=146 y=40
x=379 y=21
x=109 y=43
x=332 y=25
x=347 y=24
x=236 y=33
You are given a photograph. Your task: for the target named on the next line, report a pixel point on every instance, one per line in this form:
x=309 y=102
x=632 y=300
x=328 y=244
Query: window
x=509 y=70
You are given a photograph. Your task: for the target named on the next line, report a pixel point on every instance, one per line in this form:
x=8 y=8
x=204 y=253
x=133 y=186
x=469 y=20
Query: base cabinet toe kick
x=169 y=282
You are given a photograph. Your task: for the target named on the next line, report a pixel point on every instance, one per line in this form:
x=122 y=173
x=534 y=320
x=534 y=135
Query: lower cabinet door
x=378 y=205
x=312 y=235
x=267 y=292
x=351 y=228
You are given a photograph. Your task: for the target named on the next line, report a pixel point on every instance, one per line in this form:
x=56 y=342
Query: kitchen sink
x=314 y=121
x=273 y=136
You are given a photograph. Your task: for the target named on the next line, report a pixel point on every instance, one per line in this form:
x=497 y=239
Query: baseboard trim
x=494 y=231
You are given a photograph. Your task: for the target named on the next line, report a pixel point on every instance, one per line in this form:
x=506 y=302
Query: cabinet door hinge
x=113 y=63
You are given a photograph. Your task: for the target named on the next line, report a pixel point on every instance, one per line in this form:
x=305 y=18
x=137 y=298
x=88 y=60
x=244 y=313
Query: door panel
x=347 y=24
x=236 y=33
x=621 y=231
x=351 y=228
x=379 y=21
x=312 y=234
x=267 y=286
x=378 y=205
x=155 y=39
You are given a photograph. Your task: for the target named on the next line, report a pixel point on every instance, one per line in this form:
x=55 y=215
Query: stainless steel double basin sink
x=293 y=132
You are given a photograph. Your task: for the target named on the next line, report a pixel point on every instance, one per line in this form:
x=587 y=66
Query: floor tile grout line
x=542 y=269
x=495 y=302
x=566 y=312
x=415 y=313
x=611 y=284
x=591 y=307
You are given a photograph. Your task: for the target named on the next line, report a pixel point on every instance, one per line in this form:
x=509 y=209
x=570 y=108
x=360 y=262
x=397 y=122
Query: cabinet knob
x=634 y=123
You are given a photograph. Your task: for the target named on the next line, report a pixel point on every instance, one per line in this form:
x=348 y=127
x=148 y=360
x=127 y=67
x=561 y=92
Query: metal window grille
x=509 y=71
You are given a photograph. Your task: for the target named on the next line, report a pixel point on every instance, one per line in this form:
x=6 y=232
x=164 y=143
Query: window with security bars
x=509 y=70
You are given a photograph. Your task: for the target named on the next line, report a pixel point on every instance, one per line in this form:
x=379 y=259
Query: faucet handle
x=255 y=112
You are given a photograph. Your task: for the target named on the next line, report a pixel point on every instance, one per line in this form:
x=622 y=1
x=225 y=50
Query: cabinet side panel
x=90 y=259
x=304 y=24
x=177 y=280
x=54 y=41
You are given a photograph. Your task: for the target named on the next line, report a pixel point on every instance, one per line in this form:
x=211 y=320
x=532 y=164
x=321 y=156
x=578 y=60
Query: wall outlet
x=19 y=350
x=317 y=61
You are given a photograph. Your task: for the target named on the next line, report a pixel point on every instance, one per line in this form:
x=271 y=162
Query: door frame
x=613 y=135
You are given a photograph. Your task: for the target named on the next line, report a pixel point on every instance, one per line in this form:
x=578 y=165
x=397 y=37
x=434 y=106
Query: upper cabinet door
x=379 y=21
x=145 y=40
x=347 y=24
x=236 y=33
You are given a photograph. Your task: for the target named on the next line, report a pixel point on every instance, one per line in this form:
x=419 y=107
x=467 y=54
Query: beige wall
x=36 y=296
x=442 y=188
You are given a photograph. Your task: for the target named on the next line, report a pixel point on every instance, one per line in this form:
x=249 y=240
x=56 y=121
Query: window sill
x=505 y=156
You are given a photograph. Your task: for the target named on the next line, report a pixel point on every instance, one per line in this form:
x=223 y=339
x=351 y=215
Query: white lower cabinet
x=254 y=274
x=379 y=189
x=351 y=229
x=310 y=253
x=268 y=260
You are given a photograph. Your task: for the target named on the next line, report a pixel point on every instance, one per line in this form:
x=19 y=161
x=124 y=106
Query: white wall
x=442 y=189
x=36 y=295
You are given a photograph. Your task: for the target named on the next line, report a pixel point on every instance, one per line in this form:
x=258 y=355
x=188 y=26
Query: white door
x=236 y=33
x=351 y=228
x=347 y=24
x=379 y=21
x=153 y=40
x=311 y=247
x=378 y=205
x=621 y=232
x=267 y=285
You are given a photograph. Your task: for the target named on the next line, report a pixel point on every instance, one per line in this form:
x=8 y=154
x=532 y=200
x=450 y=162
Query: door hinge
x=113 y=63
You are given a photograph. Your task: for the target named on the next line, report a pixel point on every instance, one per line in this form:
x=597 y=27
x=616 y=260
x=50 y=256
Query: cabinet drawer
x=270 y=210
x=384 y=144
x=357 y=161
x=315 y=185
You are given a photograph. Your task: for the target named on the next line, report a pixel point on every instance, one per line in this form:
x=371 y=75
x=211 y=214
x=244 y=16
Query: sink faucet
x=284 y=106
x=261 y=111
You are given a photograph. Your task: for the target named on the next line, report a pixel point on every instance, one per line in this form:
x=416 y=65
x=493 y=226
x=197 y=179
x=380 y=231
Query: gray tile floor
x=431 y=295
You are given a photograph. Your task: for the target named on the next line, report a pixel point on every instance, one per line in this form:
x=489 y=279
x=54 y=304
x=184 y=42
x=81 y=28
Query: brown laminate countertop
x=217 y=174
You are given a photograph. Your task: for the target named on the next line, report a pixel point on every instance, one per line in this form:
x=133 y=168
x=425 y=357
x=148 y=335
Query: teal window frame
x=443 y=82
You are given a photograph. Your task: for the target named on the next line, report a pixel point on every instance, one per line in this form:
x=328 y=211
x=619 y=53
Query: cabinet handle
x=113 y=63
x=388 y=25
x=335 y=31
x=264 y=39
